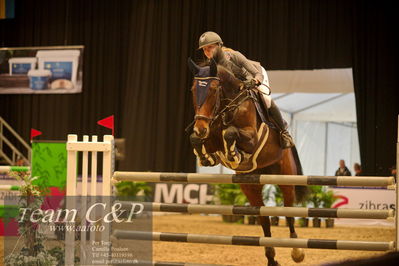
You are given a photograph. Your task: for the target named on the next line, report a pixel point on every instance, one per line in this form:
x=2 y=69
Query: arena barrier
x=109 y=178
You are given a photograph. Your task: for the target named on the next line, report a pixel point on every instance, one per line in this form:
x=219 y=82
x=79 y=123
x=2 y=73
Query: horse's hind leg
x=297 y=254
x=254 y=195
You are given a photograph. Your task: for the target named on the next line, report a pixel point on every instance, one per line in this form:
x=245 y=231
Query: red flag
x=34 y=133
x=107 y=122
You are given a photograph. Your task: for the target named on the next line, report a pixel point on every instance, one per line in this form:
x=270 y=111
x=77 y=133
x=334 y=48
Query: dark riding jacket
x=343 y=172
x=242 y=68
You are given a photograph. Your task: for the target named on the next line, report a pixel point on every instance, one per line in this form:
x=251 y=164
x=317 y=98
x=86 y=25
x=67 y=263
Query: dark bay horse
x=227 y=130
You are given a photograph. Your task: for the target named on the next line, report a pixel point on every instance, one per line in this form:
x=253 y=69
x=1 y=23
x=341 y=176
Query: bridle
x=217 y=104
x=233 y=105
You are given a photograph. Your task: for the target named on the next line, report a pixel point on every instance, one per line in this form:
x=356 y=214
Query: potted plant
x=252 y=219
x=133 y=189
x=328 y=198
x=316 y=195
x=33 y=251
x=303 y=221
x=231 y=194
x=273 y=192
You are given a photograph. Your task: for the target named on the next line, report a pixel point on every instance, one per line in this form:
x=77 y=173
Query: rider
x=246 y=70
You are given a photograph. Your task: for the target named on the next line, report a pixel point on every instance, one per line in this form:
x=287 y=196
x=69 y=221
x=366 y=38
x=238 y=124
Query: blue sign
x=38 y=82
x=20 y=68
x=59 y=70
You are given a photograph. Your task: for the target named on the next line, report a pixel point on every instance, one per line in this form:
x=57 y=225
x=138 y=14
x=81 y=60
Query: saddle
x=261 y=108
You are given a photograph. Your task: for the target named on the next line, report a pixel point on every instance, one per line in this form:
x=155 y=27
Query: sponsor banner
x=183 y=193
x=365 y=199
x=41 y=70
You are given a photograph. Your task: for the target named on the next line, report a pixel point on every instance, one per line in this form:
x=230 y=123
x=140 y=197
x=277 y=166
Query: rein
x=233 y=105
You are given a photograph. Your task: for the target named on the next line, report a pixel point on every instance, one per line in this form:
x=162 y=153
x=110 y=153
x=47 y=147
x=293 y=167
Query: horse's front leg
x=297 y=254
x=230 y=137
x=247 y=138
x=205 y=158
x=255 y=198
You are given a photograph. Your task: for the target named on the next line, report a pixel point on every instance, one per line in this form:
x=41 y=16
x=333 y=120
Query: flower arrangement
x=33 y=252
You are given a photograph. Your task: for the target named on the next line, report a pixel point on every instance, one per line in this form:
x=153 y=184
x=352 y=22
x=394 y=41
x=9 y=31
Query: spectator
x=358 y=169
x=342 y=170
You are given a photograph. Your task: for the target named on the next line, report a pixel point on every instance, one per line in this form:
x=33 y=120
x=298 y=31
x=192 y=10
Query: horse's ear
x=192 y=66
x=213 y=69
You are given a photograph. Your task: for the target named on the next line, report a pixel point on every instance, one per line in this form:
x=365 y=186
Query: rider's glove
x=251 y=83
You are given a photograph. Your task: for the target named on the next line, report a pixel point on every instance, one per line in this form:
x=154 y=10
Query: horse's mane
x=227 y=76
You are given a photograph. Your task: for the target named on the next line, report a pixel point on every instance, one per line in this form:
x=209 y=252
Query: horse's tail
x=301 y=192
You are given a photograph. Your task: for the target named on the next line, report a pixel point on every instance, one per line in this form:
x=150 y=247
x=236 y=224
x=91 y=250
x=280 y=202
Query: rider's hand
x=251 y=83
x=257 y=82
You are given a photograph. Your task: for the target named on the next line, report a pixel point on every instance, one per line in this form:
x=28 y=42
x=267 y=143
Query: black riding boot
x=286 y=139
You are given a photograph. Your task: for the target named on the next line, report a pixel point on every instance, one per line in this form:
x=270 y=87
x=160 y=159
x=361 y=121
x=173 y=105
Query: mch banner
x=41 y=70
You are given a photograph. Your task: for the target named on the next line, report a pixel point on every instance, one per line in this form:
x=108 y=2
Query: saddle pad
x=249 y=162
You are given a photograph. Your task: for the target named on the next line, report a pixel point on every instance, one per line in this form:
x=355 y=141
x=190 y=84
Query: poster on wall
x=41 y=70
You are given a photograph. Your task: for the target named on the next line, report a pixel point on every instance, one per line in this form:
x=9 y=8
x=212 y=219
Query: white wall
x=322 y=144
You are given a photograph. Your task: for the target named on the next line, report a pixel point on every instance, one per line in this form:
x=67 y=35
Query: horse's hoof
x=297 y=254
x=206 y=162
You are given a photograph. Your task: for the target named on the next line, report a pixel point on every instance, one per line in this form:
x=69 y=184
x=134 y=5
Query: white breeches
x=266 y=91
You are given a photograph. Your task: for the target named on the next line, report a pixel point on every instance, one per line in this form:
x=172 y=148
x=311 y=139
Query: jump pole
x=258 y=211
x=170 y=263
x=358 y=181
x=5 y=169
x=9 y=188
x=256 y=241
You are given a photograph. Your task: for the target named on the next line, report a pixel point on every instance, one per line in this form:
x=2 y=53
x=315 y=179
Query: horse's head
x=206 y=96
